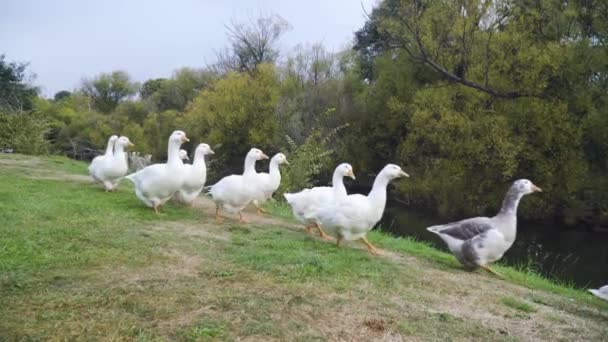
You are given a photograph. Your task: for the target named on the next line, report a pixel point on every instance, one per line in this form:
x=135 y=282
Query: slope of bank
x=78 y=262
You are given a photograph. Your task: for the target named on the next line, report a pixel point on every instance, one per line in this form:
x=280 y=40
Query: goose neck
x=378 y=193
x=510 y=203
x=249 y=166
x=110 y=148
x=173 y=153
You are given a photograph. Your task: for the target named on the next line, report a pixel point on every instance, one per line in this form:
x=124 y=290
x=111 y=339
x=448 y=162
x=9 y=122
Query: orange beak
x=185 y=139
x=536 y=189
x=264 y=156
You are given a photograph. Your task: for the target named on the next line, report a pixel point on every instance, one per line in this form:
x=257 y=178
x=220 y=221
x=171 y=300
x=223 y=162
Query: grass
x=517 y=304
x=78 y=263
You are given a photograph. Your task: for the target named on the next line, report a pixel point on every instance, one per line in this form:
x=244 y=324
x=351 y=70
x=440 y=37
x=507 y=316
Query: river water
x=572 y=255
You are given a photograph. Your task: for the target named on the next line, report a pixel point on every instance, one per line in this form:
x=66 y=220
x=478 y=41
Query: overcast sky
x=66 y=40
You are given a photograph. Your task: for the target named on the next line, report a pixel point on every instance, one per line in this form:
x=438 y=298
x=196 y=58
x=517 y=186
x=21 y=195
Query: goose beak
x=264 y=156
x=211 y=151
x=185 y=139
x=130 y=144
x=286 y=162
x=403 y=174
x=536 y=189
x=351 y=174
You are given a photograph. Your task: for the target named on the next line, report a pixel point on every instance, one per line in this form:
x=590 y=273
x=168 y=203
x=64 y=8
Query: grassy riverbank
x=78 y=262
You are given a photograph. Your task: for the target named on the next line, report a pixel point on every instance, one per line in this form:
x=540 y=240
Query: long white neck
x=173 y=153
x=249 y=166
x=337 y=183
x=274 y=172
x=119 y=150
x=199 y=161
x=110 y=147
x=377 y=196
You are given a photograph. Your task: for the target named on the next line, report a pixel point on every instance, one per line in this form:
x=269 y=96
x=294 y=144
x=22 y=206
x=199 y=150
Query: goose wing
x=465 y=229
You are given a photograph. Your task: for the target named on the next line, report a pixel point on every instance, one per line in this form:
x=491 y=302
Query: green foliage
x=15 y=94
x=309 y=159
x=106 y=91
x=60 y=95
x=177 y=92
x=24 y=133
x=238 y=112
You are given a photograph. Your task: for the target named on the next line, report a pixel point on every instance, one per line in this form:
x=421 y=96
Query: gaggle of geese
x=475 y=242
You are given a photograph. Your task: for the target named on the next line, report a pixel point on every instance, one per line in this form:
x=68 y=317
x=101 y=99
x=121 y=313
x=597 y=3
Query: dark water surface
x=571 y=255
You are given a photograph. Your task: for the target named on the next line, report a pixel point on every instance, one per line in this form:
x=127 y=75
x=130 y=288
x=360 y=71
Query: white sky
x=67 y=40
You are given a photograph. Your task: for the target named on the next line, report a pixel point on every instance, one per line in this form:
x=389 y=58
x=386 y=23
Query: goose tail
x=436 y=229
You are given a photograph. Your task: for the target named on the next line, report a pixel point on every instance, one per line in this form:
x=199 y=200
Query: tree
x=252 y=44
x=15 y=94
x=63 y=94
x=237 y=112
x=175 y=93
x=151 y=86
x=106 y=91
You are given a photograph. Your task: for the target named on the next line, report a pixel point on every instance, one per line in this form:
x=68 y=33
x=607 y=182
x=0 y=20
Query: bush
x=24 y=133
x=308 y=160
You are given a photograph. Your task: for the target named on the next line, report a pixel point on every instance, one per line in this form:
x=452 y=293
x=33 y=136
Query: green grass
x=520 y=276
x=517 y=304
x=79 y=263
x=279 y=209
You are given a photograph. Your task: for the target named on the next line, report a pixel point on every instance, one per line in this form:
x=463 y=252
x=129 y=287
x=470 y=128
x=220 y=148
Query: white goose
x=94 y=167
x=233 y=193
x=195 y=176
x=112 y=169
x=479 y=241
x=306 y=203
x=183 y=155
x=602 y=292
x=155 y=184
x=354 y=216
x=269 y=182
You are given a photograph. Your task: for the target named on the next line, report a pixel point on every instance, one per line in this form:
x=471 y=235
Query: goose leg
x=241 y=219
x=322 y=233
x=218 y=218
x=338 y=241
x=373 y=250
x=260 y=211
x=308 y=229
x=487 y=268
x=156 y=209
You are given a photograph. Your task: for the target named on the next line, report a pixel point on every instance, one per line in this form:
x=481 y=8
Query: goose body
x=233 y=193
x=352 y=217
x=269 y=182
x=97 y=161
x=111 y=169
x=478 y=241
x=155 y=184
x=195 y=176
x=602 y=292
x=306 y=203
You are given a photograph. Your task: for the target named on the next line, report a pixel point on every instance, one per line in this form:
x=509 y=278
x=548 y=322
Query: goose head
x=183 y=155
x=392 y=171
x=178 y=137
x=256 y=154
x=525 y=187
x=124 y=142
x=113 y=138
x=345 y=170
x=203 y=149
x=279 y=159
